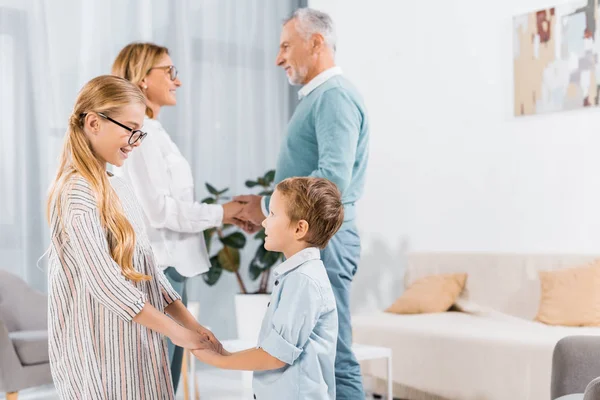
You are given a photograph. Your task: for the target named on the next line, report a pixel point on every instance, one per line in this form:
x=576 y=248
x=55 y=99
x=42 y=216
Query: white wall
x=451 y=169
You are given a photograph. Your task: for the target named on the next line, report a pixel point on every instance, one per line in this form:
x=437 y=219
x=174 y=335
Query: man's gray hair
x=310 y=21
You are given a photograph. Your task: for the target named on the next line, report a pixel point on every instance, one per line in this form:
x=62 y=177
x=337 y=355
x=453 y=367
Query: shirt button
x=276 y=283
x=254 y=396
x=269 y=304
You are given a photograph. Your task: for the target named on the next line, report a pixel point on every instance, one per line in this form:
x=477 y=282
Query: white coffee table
x=361 y=351
x=365 y=353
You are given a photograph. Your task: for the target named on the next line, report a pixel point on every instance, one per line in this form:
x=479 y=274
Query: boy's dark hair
x=317 y=201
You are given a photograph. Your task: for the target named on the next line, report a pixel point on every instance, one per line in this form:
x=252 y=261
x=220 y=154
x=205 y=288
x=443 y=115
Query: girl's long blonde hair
x=106 y=94
x=135 y=61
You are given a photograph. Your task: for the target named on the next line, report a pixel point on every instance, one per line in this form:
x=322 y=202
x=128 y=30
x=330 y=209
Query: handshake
x=244 y=212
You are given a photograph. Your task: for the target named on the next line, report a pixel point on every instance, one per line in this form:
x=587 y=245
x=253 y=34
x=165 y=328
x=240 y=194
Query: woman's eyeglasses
x=168 y=68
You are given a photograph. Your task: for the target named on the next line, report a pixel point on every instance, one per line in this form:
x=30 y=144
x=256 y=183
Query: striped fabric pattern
x=96 y=350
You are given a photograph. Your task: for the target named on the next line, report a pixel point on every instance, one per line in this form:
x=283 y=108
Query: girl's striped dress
x=96 y=350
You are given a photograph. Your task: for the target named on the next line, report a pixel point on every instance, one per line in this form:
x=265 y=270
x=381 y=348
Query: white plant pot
x=249 y=312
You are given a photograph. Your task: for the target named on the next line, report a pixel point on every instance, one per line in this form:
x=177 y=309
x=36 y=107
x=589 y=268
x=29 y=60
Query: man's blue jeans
x=340 y=258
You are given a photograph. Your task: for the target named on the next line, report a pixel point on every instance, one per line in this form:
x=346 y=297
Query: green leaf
x=263 y=259
x=214 y=273
x=266 y=193
x=251 y=184
x=269 y=259
x=260 y=235
x=257 y=259
x=254 y=271
x=208 y=234
x=229 y=258
x=208 y=200
x=270 y=176
x=236 y=240
x=211 y=189
x=262 y=182
x=222 y=191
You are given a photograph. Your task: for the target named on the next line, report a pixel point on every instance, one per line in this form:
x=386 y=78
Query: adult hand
x=247 y=226
x=218 y=347
x=189 y=339
x=252 y=210
x=231 y=211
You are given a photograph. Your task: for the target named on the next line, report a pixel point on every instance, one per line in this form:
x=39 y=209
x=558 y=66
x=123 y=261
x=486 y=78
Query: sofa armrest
x=9 y=361
x=34 y=310
x=592 y=391
x=22 y=308
x=575 y=363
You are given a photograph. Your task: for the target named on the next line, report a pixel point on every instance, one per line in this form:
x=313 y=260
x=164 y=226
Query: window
x=8 y=188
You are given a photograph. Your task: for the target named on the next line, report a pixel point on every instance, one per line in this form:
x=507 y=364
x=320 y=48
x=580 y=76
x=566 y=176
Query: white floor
x=213 y=384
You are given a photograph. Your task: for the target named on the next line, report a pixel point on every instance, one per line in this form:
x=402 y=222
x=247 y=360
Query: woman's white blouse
x=162 y=181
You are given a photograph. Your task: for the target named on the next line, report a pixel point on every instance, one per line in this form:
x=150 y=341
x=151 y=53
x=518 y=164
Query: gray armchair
x=576 y=368
x=24 y=360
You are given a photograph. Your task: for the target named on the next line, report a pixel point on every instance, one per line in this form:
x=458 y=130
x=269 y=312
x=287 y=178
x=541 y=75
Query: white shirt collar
x=318 y=81
x=151 y=122
x=311 y=253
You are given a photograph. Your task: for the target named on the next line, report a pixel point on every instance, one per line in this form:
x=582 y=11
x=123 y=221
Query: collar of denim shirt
x=308 y=254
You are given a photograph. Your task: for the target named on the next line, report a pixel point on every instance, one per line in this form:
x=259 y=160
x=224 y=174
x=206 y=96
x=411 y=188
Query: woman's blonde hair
x=135 y=61
x=105 y=94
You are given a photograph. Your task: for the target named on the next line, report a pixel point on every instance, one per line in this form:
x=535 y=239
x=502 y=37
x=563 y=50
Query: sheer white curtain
x=230 y=118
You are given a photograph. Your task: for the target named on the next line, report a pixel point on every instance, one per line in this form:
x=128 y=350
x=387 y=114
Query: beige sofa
x=492 y=350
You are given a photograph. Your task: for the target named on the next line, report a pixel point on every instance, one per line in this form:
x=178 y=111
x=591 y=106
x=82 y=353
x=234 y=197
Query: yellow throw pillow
x=570 y=297
x=431 y=294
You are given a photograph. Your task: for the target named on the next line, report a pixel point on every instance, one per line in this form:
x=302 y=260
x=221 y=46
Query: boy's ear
x=301 y=229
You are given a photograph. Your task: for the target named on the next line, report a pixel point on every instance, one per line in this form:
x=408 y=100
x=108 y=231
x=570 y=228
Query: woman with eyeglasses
x=162 y=179
x=107 y=297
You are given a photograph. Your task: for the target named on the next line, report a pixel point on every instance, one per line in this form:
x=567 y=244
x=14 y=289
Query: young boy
x=295 y=355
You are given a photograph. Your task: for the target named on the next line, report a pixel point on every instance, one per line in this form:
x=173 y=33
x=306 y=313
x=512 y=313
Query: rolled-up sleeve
x=293 y=320
x=101 y=275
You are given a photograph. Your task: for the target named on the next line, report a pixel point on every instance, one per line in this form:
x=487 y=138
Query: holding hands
x=201 y=339
x=189 y=339
x=208 y=335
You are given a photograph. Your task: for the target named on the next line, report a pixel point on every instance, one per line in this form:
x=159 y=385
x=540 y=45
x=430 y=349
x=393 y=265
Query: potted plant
x=250 y=306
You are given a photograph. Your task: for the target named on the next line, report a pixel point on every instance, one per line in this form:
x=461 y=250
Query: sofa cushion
x=31 y=346
x=570 y=297
x=430 y=294
x=508 y=283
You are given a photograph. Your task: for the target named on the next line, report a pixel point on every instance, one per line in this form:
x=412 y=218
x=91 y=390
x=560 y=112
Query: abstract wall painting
x=555 y=54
